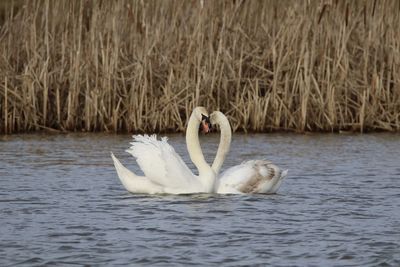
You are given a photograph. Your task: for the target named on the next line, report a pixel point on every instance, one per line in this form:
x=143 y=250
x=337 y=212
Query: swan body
x=253 y=176
x=164 y=170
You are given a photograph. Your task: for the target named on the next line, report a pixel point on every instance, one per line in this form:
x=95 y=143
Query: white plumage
x=163 y=166
x=134 y=183
x=164 y=170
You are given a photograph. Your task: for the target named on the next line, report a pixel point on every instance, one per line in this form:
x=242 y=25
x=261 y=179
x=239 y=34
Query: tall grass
x=143 y=65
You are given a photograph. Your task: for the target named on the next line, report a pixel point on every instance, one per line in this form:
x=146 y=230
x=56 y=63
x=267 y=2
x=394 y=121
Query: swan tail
x=134 y=183
x=122 y=171
x=271 y=174
x=278 y=183
x=125 y=175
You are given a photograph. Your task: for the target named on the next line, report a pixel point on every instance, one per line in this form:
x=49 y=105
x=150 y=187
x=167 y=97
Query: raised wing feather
x=160 y=163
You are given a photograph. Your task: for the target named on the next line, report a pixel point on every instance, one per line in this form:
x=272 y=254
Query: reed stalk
x=141 y=66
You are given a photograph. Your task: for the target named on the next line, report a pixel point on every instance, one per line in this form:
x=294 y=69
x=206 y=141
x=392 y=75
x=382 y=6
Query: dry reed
x=141 y=66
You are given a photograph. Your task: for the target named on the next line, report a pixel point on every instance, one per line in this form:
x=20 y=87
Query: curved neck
x=224 y=142
x=193 y=146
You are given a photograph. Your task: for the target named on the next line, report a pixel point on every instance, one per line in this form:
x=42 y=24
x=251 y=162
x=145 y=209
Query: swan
x=253 y=176
x=165 y=172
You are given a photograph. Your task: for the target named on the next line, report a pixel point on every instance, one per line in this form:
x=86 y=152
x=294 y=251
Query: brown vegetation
x=143 y=65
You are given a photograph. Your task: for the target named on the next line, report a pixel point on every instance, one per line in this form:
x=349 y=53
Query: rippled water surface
x=61 y=203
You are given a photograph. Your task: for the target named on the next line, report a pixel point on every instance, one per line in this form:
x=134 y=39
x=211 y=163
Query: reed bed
x=141 y=66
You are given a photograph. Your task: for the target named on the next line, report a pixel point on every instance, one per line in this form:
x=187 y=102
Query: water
x=61 y=203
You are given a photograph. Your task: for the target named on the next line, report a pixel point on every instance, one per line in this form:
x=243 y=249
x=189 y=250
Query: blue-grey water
x=61 y=203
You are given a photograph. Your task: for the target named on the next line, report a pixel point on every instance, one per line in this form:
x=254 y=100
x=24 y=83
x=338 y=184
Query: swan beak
x=205 y=126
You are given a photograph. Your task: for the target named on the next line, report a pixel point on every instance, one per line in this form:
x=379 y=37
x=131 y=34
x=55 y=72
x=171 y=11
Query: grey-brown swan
x=253 y=176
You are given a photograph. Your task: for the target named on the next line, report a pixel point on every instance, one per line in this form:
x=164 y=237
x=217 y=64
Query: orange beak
x=205 y=127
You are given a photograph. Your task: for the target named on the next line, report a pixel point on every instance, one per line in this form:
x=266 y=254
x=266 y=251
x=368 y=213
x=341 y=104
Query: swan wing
x=254 y=176
x=232 y=179
x=160 y=163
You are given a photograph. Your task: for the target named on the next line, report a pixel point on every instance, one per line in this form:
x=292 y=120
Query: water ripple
x=62 y=204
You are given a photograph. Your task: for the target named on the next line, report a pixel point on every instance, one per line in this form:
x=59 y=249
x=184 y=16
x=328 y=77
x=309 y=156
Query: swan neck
x=224 y=143
x=193 y=146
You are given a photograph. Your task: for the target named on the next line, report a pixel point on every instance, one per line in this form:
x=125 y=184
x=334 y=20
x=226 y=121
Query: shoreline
x=161 y=133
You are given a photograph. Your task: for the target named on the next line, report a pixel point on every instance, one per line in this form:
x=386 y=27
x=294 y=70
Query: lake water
x=61 y=203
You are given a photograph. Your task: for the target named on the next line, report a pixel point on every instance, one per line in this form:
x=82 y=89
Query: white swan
x=165 y=171
x=253 y=176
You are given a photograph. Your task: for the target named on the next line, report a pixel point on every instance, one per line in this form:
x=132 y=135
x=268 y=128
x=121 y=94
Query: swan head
x=214 y=117
x=202 y=115
x=218 y=118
